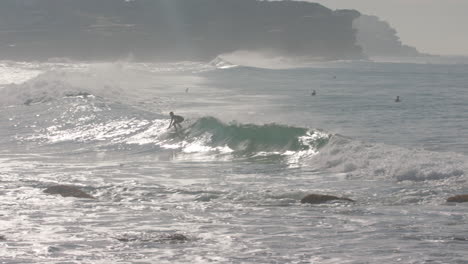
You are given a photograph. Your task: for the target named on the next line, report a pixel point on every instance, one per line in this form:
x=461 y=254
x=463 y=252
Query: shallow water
x=228 y=187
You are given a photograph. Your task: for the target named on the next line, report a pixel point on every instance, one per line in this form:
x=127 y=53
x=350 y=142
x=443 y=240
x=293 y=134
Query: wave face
x=254 y=139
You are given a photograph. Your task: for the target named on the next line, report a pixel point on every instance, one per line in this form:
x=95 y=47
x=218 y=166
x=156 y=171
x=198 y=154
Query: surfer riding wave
x=175 y=121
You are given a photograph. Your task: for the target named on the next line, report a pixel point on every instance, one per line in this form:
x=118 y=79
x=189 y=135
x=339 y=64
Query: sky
x=432 y=26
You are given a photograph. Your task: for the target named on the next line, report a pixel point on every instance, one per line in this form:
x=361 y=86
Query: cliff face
x=172 y=29
x=378 y=38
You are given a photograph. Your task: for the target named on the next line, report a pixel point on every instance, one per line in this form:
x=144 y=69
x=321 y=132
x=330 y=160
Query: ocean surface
x=227 y=187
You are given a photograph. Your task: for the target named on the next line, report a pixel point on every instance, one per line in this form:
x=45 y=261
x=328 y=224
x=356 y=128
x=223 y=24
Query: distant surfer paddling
x=175 y=120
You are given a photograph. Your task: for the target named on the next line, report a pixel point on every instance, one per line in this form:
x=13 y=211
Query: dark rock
x=125 y=239
x=28 y=102
x=320 y=198
x=463 y=198
x=174 y=238
x=67 y=191
x=153 y=238
x=2 y=238
x=378 y=38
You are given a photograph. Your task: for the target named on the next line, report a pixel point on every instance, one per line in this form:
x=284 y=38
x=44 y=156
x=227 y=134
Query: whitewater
x=227 y=188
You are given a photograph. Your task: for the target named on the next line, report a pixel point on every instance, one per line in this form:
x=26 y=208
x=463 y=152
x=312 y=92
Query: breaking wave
x=358 y=160
x=87 y=120
x=60 y=107
x=91 y=121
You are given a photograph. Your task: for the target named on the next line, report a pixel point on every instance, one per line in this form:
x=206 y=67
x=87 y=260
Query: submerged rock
x=28 y=102
x=320 y=198
x=67 y=191
x=152 y=237
x=174 y=238
x=463 y=198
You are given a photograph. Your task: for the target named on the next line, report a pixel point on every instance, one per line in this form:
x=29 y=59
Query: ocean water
x=227 y=187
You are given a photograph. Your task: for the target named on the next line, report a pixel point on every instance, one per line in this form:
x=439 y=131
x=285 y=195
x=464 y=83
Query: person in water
x=175 y=120
x=397 y=99
x=313 y=93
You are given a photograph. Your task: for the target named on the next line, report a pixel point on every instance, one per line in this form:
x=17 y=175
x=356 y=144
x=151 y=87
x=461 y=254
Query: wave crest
x=251 y=138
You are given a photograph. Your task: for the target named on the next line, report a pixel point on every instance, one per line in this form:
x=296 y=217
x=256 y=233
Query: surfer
x=397 y=100
x=313 y=93
x=175 y=120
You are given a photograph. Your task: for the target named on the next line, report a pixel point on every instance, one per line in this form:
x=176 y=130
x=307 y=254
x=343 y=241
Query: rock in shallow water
x=463 y=198
x=320 y=198
x=153 y=237
x=67 y=191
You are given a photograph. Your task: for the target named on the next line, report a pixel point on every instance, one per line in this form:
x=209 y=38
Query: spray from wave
x=129 y=83
x=267 y=59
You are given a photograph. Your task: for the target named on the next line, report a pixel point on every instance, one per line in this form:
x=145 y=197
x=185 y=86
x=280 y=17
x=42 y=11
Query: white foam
x=201 y=145
x=116 y=130
x=366 y=160
x=10 y=74
x=150 y=134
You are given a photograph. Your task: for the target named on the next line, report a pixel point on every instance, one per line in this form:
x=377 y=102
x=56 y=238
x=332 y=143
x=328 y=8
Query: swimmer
x=397 y=100
x=313 y=93
x=175 y=120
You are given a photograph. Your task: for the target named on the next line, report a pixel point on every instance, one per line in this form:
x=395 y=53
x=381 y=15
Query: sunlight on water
x=227 y=186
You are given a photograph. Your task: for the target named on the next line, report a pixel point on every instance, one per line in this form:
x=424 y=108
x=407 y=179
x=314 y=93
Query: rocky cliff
x=172 y=29
x=378 y=38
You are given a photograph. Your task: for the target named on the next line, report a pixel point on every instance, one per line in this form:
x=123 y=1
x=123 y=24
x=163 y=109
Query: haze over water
x=280 y=100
